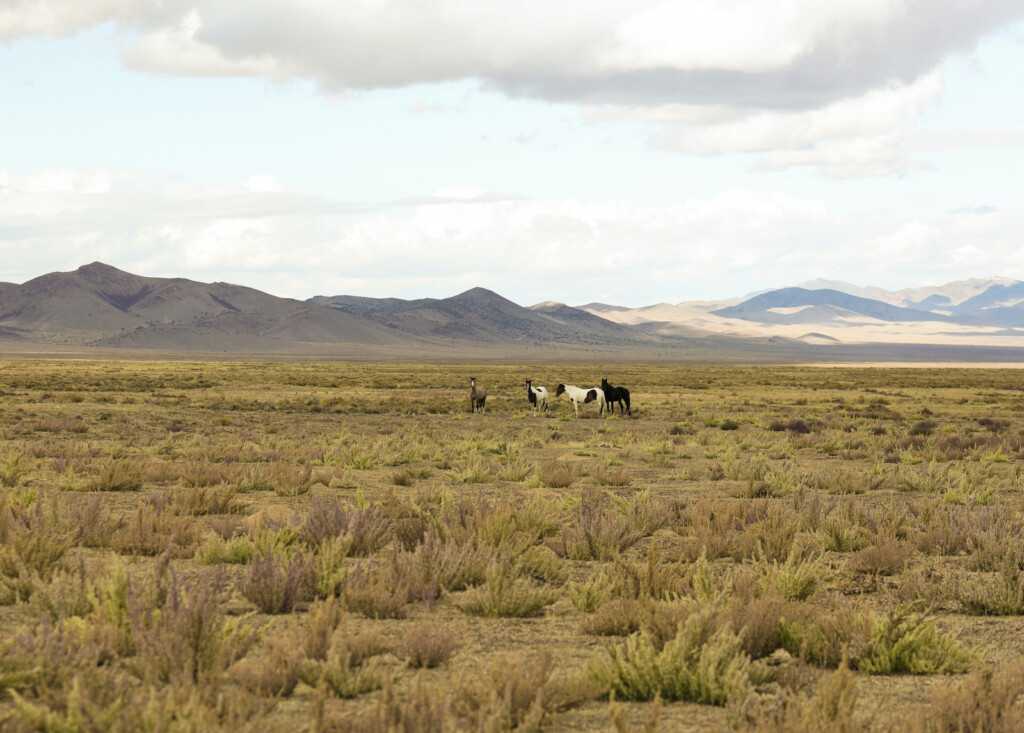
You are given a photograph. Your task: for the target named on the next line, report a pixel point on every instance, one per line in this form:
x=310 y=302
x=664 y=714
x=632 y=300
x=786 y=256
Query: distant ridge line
x=100 y=306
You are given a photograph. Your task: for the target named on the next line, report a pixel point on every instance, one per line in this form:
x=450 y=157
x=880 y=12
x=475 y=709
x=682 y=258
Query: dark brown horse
x=616 y=394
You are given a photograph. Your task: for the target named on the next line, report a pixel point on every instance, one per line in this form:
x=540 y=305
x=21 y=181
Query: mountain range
x=101 y=307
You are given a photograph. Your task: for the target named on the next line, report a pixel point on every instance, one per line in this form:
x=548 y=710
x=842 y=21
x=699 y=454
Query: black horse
x=616 y=394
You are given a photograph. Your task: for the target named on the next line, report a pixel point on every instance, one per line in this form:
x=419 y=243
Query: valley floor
x=337 y=546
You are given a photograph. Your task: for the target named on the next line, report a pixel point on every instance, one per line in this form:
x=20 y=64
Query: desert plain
x=202 y=545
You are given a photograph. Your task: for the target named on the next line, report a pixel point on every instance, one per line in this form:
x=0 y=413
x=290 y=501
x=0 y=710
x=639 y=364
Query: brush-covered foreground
x=337 y=547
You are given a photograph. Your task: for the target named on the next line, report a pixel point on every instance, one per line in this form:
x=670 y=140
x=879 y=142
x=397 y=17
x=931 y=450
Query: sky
x=620 y=151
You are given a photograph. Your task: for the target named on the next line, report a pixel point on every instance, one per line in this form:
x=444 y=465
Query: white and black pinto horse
x=538 y=396
x=577 y=395
x=616 y=394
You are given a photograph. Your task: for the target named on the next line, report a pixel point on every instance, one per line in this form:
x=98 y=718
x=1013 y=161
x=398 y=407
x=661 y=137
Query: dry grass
x=154 y=529
x=191 y=545
x=275 y=671
x=700 y=664
x=987 y=700
x=596 y=530
x=556 y=475
x=1002 y=595
x=831 y=707
x=903 y=640
x=188 y=638
x=505 y=594
x=274 y=583
x=118 y=475
x=428 y=644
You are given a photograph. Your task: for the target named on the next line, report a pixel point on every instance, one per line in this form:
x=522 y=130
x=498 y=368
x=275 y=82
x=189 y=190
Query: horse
x=616 y=394
x=477 y=396
x=577 y=395
x=538 y=396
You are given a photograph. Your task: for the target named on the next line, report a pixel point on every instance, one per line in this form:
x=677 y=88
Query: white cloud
x=858 y=157
x=174 y=49
x=928 y=140
x=19 y=18
x=854 y=137
x=873 y=113
x=615 y=50
x=83 y=181
x=262 y=183
x=530 y=250
x=63 y=216
x=830 y=84
x=790 y=53
x=745 y=35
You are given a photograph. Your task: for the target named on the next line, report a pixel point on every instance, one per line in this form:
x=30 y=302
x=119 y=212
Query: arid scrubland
x=202 y=546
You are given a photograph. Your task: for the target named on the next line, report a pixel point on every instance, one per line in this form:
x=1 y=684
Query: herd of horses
x=606 y=396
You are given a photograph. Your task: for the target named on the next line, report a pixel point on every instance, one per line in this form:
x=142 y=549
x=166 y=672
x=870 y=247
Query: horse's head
x=472 y=381
x=560 y=390
x=604 y=384
x=528 y=383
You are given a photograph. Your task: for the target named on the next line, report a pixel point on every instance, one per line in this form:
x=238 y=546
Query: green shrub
x=14 y=468
x=342 y=676
x=1002 y=595
x=506 y=594
x=699 y=665
x=114 y=475
x=589 y=596
x=901 y=641
x=275 y=582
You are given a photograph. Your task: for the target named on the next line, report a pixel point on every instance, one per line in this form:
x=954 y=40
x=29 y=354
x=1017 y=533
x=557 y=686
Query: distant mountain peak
x=785 y=304
x=104 y=276
x=482 y=295
x=478 y=291
x=925 y=297
x=98 y=268
x=821 y=283
x=602 y=307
